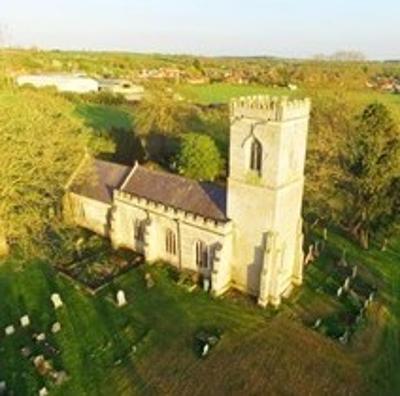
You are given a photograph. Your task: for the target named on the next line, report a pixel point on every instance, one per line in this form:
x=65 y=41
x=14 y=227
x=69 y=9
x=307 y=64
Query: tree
x=371 y=165
x=331 y=122
x=162 y=112
x=199 y=157
x=41 y=142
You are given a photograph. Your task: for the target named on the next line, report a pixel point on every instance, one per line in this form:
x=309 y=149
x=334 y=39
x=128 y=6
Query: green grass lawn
x=261 y=351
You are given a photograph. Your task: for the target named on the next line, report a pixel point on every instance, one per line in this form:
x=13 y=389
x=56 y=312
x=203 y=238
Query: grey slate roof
x=100 y=180
x=204 y=199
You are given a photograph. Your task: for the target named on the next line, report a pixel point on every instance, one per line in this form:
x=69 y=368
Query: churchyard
x=140 y=333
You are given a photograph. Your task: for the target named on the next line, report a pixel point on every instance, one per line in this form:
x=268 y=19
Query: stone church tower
x=265 y=192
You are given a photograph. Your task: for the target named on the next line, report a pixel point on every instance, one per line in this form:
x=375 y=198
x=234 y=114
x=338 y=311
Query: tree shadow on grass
x=118 y=125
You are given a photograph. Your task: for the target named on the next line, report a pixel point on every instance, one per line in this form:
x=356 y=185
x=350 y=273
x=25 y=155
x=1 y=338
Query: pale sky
x=292 y=28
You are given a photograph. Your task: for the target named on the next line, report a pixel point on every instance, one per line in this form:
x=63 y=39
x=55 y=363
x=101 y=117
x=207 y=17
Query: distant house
x=127 y=89
x=62 y=82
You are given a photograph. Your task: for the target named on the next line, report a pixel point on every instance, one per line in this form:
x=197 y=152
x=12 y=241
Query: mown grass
x=261 y=351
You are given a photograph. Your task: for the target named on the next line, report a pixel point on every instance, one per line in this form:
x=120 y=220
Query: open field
x=261 y=352
x=222 y=93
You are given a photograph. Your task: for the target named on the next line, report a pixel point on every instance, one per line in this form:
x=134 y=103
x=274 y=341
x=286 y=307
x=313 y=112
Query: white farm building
x=62 y=82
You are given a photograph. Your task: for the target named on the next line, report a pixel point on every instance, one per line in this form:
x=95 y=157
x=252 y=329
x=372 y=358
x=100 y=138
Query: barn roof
x=205 y=199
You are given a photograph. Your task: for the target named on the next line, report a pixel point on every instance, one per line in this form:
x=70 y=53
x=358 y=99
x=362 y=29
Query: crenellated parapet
x=220 y=227
x=268 y=108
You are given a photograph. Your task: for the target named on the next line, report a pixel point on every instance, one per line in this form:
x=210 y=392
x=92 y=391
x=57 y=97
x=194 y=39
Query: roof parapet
x=269 y=108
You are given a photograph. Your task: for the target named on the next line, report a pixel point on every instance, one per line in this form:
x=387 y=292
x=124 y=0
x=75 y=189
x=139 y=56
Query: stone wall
x=91 y=214
x=188 y=229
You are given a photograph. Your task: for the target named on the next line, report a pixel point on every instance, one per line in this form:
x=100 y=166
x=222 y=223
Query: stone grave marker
x=43 y=391
x=9 y=330
x=346 y=285
x=354 y=271
x=121 y=298
x=56 y=300
x=25 y=321
x=56 y=327
x=339 y=292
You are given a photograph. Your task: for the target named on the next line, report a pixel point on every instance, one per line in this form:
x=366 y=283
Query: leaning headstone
x=371 y=297
x=346 y=285
x=121 y=299
x=25 y=321
x=43 y=391
x=56 y=300
x=344 y=339
x=325 y=234
x=354 y=271
x=10 y=330
x=56 y=327
x=205 y=349
x=310 y=255
x=366 y=303
x=339 y=292
x=317 y=323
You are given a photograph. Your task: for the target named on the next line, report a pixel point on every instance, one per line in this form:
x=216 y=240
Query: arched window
x=256 y=156
x=201 y=254
x=139 y=230
x=170 y=242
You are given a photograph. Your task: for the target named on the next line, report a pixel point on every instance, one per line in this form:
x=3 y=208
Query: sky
x=290 y=28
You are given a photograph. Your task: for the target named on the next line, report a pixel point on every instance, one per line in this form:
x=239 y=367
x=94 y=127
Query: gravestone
x=366 y=303
x=206 y=285
x=339 y=292
x=344 y=339
x=343 y=259
x=354 y=272
x=310 y=255
x=317 y=323
x=56 y=327
x=149 y=280
x=43 y=391
x=205 y=349
x=56 y=300
x=346 y=285
x=325 y=234
x=26 y=352
x=41 y=337
x=121 y=299
x=317 y=250
x=3 y=388
x=10 y=330
x=25 y=321
x=371 y=297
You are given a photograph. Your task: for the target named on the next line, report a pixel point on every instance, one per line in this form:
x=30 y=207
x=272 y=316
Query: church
x=247 y=235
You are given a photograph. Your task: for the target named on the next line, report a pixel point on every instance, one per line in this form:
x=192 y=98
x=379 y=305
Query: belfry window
x=170 y=242
x=256 y=156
